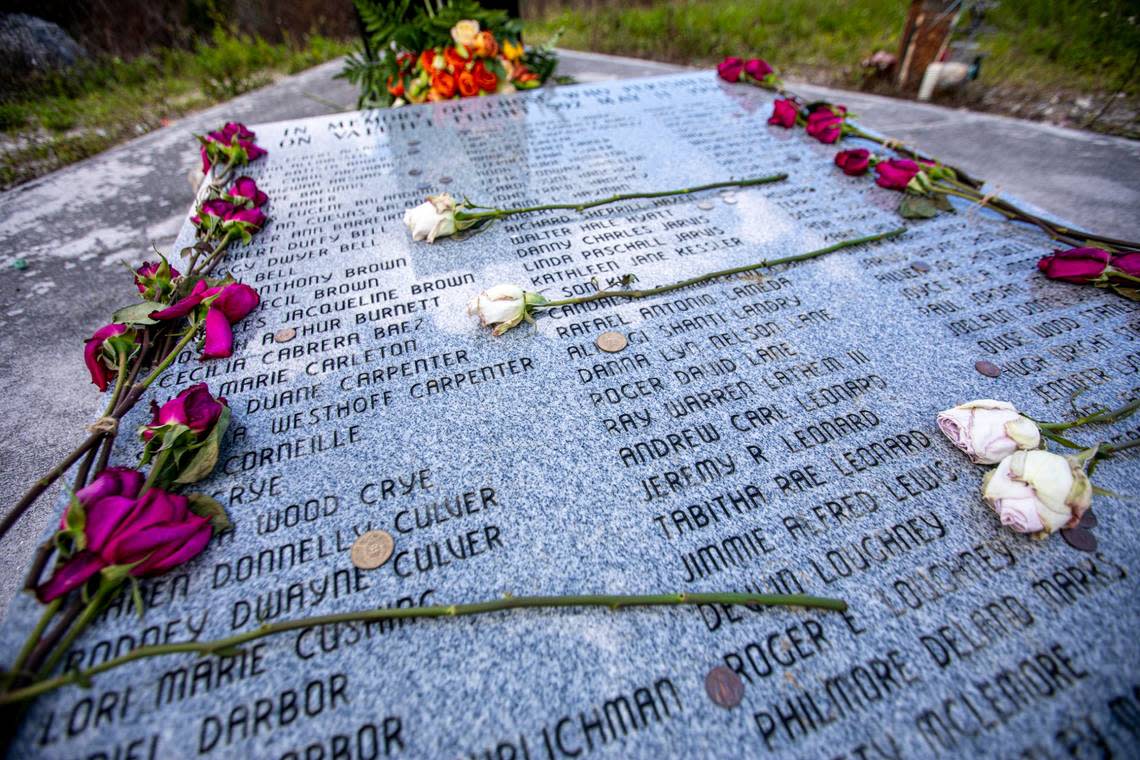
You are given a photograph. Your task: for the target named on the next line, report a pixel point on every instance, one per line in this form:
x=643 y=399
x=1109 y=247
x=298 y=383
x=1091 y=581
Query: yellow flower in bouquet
x=512 y=50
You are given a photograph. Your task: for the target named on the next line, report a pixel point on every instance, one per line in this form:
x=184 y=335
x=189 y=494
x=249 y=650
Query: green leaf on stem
x=942 y=202
x=204 y=506
x=137 y=314
x=206 y=454
x=917 y=207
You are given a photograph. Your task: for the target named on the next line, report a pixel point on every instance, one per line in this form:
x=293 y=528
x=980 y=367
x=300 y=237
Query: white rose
x=503 y=306
x=1038 y=491
x=988 y=431
x=433 y=218
x=464 y=32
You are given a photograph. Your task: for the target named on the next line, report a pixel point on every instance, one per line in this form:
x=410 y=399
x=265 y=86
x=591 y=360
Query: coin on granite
x=1080 y=539
x=989 y=369
x=920 y=266
x=611 y=342
x=706 y=206
x=372 y=549
x=1088 y=520
x=724 y=687
x=284 y=335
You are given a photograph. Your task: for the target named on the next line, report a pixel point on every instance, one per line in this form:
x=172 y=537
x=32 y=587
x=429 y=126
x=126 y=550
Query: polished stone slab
x=773 y=434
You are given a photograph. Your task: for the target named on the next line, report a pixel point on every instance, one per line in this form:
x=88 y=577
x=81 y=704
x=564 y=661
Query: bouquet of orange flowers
x=457 y=50
x=476 y=64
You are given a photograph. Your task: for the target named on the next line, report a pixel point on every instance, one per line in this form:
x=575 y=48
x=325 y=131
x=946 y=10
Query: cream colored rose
x=988 y=431
x=1038 y=491
x=503 y=306
x=464 y=32
x=433 y=218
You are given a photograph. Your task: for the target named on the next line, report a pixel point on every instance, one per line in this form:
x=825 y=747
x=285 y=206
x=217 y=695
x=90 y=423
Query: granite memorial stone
x=770 y=433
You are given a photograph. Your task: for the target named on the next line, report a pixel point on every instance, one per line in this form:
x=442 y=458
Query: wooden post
x=924 y=38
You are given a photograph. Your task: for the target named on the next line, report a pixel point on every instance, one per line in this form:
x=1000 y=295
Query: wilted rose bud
x=988 y=431
x=1038 y=491
x=825 y=123
x=853 y=162
x=194 y=408
x=432 y=219
x=730 y=68
x=154 y=532
x=155 y=280
x=1128 y=263
x=503 y=306
x=103 y=351
x=226 y=305
x=1078 y=265
x=784 y=113
x=757 y=69
x=896 y=173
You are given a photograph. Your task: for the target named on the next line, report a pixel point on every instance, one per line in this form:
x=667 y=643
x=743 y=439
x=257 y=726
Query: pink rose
x=730 y=68
x=896 y=173
x=154 y=279
x=227 y=305
x=158 y=531
x=225 y=137
x=194 y=407
x=1038 y=491
x=825 y=123
x=757 y=68
x=853 y=162
x=244 y=191
x=1129 y=263
x=97 y=353
x=784 y=113
x=988 y=431
x=1079 y=265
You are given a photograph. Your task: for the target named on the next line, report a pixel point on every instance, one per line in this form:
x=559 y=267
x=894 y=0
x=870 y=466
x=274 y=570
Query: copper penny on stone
x=1088 y=520
x=284 y=335
x=611 y=342
x=372 y=549
x=989 y=369
x=724 y=687
x=415 y=172
x=1079 y=538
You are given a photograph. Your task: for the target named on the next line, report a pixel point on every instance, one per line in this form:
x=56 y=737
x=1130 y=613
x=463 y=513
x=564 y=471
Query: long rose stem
x=601 y=294
x=500 y=213
x=613 y=601
x=120 y=382
x=1112 y=448
x=1102 y=417
x=125 y=404
x=215 y=255
x=39 y=562
x=45 y=482
x=45 y=645
x=34 y=637
x=93 y=608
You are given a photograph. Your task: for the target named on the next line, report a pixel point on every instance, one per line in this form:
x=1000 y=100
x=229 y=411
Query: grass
x=1030 y=46
x=64 y=117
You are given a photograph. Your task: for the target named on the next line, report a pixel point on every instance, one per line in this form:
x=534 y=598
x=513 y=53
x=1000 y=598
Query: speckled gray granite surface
x=757 y=434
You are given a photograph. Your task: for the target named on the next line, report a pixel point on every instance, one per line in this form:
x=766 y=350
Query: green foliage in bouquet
x=403 y=38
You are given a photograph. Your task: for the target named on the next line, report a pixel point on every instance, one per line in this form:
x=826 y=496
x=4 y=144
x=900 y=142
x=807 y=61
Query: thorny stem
x=1111 y=448
x=601 y=294
x=215 y=255
x=228 y=645
x=500 y=213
